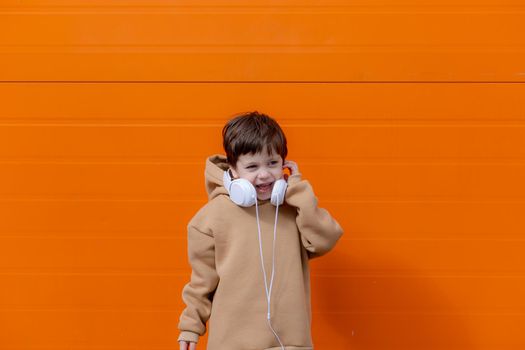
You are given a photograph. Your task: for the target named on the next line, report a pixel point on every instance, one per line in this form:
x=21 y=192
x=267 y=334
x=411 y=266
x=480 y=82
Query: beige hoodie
x=227 y=282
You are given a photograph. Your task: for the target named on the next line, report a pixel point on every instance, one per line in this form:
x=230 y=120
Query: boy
x=229 y=258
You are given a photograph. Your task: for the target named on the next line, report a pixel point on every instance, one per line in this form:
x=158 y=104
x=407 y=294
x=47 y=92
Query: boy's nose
x=264 y=174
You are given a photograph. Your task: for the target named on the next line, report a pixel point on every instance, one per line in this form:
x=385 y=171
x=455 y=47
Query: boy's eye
x=252 y=166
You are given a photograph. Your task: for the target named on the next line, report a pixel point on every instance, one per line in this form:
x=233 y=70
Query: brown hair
x=251 y=132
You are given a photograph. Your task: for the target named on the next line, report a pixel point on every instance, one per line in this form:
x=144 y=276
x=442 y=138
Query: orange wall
x=406 y=117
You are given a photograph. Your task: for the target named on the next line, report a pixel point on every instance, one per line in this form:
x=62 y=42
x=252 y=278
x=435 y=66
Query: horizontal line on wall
x=88 y=347
x=4 y=198
x=436 y=313
x=410 y=276
x=430 y=313
x=270 y=10
x=161 y=310
x=217 y=4
x=261 y=82
x=463 y=46
x=180 y=236
x=126 y=5
x=473 y=82
x=182 y=273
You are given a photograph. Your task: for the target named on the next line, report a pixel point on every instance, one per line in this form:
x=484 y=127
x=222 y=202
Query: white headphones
x=243 y=193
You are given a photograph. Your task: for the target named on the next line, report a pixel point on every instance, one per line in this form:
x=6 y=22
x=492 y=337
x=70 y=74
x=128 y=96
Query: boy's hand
x=184 y=345
x=294 y=168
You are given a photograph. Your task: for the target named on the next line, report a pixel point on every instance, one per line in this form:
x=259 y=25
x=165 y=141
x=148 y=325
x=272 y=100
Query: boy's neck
x=262 y=201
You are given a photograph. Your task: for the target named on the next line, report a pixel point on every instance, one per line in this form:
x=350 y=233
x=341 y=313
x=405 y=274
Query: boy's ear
x=233 y=172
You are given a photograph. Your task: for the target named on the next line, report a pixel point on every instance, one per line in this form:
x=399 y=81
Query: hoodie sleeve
x=318 y=229
x=198 y=293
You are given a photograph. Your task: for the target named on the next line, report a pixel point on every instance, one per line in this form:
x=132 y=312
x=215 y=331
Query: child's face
x=259 y=169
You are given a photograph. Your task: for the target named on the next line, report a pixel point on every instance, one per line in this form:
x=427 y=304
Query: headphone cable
x=268 y=294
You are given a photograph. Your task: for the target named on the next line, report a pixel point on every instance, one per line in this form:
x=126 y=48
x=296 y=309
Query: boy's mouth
x=264 y=187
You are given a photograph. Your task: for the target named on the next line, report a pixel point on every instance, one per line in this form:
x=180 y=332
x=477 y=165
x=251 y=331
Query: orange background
x=406 y=117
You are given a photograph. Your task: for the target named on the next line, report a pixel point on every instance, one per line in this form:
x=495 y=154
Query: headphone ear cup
x=243 y=193
x=279 y=191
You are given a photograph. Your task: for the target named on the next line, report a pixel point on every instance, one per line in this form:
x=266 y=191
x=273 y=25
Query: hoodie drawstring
x=268 y=294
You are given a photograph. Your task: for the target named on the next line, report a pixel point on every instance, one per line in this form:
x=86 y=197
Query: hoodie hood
x=215 y=167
